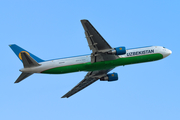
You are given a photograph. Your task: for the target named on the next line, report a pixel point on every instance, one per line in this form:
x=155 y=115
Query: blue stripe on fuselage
x=89 y=54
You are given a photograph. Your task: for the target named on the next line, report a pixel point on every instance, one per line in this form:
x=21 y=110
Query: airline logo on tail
x=20 y=57
x=18 y=51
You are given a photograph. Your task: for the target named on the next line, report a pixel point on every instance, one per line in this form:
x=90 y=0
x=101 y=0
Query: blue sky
x=52 y=29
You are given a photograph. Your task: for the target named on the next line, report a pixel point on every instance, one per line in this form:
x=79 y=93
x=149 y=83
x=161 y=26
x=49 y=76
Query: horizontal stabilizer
x=28 y=61
x=23 y=76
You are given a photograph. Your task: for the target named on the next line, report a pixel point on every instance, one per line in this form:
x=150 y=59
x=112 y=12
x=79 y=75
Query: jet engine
x=118 y=51
x=110 y=77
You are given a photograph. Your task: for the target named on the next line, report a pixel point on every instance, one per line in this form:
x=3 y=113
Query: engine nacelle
x=110 y=77
x=119 y=51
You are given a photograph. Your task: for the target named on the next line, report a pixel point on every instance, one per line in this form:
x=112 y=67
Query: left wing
x=90 y=78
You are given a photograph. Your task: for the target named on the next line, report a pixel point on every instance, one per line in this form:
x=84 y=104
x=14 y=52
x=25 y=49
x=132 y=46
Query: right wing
x=95 y=40
x=97 y=44
x=90 y=78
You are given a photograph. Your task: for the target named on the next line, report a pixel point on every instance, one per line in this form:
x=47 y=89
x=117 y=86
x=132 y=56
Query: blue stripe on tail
x=17 y=50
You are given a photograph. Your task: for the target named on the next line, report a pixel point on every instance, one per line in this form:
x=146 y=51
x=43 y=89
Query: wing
x=84 y=83
x=100 y=49
x=90 y=78
x=97 y=44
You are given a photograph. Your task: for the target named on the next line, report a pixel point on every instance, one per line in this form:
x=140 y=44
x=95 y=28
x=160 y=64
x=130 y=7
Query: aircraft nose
x=170 y=52
x=167 y=53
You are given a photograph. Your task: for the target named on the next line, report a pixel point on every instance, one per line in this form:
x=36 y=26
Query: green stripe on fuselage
x=104 y=64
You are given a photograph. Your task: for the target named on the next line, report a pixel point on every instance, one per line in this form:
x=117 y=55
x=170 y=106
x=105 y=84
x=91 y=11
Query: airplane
x=102 y=60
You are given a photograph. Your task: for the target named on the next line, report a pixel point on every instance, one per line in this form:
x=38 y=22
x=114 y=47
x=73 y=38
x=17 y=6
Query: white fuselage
x=87 y=58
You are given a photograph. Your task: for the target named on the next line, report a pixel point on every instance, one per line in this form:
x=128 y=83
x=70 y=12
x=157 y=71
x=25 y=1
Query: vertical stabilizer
x=18 y=50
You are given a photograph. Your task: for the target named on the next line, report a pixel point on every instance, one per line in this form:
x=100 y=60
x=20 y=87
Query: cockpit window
x=163 y=47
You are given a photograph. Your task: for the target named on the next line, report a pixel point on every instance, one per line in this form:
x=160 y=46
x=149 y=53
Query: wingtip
x=84 y=20
x=64 y=97
x=16 y=82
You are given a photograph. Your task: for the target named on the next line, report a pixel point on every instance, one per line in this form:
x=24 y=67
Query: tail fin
x=18 y=50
